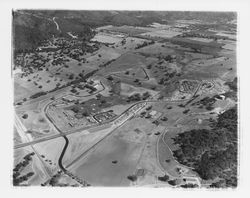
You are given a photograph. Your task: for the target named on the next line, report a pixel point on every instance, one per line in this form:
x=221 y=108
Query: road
x=27 y=143
x=21 y=129
x=85 y=128
x=130 y=113
x=61 y=134
x=57 y=26
x=62 y=154
x=116 y=124
x=55 y=136
x=51 y=94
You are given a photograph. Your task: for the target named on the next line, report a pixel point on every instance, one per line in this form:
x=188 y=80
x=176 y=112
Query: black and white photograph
x=125 y=97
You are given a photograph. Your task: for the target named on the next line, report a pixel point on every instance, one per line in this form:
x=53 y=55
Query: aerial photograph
x=111 y=98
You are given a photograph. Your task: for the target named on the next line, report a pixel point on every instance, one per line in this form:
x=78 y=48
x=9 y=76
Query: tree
x=186 y=111
x=85 y=113
x=145 y=95
x=81 y=75
x=172 y=182
x=164 y=118
x=25 y=116
x=132 y=178
x=149 y=108
x=71 y=76
x=98 y=96
x=103 y=101
x=110 y=78
x=136 y=80
x=212 y=152
x=189 y=186
x=163 y=178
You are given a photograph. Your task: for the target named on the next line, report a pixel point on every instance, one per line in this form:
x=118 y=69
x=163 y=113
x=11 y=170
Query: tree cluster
x=212 y=152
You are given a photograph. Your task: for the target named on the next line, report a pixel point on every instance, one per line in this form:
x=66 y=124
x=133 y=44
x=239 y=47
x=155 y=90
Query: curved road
x=57 y=26
x=62 y=154
x=119 y=121
x=88 y=127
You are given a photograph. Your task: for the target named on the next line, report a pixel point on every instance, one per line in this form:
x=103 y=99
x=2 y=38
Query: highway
x=117 y=124
x=113 y=125
x=28 y=143
x=84 y=128
x=55 y=136
x=21 y=129
x=61 y=134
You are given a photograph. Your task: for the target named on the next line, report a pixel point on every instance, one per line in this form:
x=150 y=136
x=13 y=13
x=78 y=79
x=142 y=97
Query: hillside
x=212 y=153
x=29 y=31
x=31 y=27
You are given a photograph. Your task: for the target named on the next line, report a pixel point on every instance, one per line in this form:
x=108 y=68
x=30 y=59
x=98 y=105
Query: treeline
x=144 y=44
x=232 y=93
x=138 y=97
x=212 y=153
x=232 y=85
x=73 y=82
x=17 y=178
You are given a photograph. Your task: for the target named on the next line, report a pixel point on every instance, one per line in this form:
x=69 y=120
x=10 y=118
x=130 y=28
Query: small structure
x=153 y=113
x=140 y=172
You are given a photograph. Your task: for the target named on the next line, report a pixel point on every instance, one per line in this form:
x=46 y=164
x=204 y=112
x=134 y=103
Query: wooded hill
x=212 y=153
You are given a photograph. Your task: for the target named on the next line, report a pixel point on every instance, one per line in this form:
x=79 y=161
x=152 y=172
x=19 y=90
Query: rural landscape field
x=125 y=98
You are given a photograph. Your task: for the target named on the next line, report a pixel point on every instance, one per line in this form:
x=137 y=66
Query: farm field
x=162 y=34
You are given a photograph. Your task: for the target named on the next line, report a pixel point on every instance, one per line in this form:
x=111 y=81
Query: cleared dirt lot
x=106 y=38
x=128 y=90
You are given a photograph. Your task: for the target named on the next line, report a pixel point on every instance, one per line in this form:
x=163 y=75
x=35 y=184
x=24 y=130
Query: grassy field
x=34 y=166
x=127 y=90
x=80 y=142
x=128 y=30
x=166 y=158
x=99 y=168
x=50 y=152
x=162 y=33
x=124 y=62
x=137 y=73
x=156 y=49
